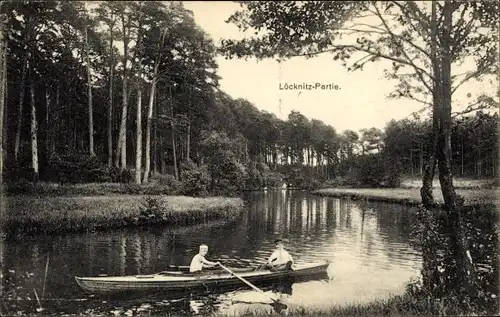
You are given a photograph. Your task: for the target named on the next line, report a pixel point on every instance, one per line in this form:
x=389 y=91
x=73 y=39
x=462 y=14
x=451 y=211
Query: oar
x=278 y=305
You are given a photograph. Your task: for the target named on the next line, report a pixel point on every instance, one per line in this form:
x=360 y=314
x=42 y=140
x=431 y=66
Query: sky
x=360 y=102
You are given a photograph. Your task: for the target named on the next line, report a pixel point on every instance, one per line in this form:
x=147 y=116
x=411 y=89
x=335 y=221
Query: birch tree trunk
x=147 y=163
x=138 y=150
x=57 y=105
x=3 y=91
x=110 y=105
x=34 y=132
x=121 y=155
x=89 y=92
x=155 y=143
x=188 y=145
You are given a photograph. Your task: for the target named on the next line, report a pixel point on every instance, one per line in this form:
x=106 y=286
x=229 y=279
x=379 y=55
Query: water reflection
x=367 y=243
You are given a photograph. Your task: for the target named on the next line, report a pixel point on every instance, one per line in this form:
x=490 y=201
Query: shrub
x=152 y=211
x=254 y=178
x=273 y=179
x=82 y=168
x=195 y=180
x=165 y=180
x=373 y=170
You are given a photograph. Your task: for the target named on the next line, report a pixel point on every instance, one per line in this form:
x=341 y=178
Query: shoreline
x=410 y=196
x=29 y=214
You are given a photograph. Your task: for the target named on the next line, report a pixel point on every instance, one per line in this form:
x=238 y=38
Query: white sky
x=360 y=103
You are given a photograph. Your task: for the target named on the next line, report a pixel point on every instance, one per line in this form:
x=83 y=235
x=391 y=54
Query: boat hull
x=172 y=283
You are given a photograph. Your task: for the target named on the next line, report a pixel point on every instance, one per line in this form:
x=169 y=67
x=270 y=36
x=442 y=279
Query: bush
x=195 y=180
x=273 y=179
x=254 y=179
x=82 y=168
x=152 y=211
x=373 y=170
x=227 y=174
x=165 y=180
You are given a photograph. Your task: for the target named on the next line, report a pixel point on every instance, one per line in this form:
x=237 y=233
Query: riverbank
x=89 y=189
x=409 y=196
x=400 y=305
x=28 y=214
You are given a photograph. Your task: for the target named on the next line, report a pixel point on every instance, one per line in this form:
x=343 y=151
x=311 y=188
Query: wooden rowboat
x=179 y=279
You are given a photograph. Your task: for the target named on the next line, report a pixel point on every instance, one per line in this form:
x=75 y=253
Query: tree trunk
x=121 y=148
x=89 y=92
x=465 y=268
x=53 y=134
x=155 y=143
x=3 y=91
x=47 y=122
x=462 y=157
x=110 y=105
x=444 y=148
x=430 y=168
x=21 y=104
x=188 y=142
x=411 y=161
x=162 y=156
x=174 y=151
x=148 y=126
x=34 y=138
x=138 y=150
x=421 y=160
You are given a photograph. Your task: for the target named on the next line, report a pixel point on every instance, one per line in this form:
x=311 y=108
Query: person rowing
x=280 y=259
x=198 y=263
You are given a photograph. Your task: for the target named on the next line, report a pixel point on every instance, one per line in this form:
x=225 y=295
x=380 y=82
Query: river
x=366 y=242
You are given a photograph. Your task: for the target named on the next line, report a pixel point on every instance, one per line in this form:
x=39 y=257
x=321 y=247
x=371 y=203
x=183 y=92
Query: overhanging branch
x=480 y=71
x=366 y=50
x=394 y=38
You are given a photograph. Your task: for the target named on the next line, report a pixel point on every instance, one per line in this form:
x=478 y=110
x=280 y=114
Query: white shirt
x=281 y=256
x=197 y=263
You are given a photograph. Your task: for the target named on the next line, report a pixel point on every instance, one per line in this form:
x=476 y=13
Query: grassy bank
x=88 y=189
x=404 y=305
x=409 y=196
x=44 y=214
x=458 y=182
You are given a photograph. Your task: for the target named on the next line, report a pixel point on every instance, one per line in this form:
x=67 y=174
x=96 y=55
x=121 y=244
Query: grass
x=87 y=189
x=401 y=305
x=29 y=214
x=458 y=182
x=410 y=196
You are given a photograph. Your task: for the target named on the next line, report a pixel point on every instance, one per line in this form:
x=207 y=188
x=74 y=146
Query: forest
x=127 y=91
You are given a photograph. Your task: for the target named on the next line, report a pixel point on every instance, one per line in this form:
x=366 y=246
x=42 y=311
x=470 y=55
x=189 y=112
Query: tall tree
x=107 y=13
x=390 y=39
x=89 y=92
x=3 y=91
x=403 y=34
x=131 y=22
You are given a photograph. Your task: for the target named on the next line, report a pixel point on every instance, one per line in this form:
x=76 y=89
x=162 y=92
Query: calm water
x=367 y=243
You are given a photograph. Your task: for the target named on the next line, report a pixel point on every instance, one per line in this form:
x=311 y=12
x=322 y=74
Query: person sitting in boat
x=280 y=259
x=198 y=263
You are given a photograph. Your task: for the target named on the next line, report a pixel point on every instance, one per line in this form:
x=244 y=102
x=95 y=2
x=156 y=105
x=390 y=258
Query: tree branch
x=403 y=51
x=417 y=14
x=353 y=30
x=361 y=49
x=471 y=108
x=480 y=70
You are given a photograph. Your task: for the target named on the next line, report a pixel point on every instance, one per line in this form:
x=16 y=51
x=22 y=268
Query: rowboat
x=178 y=279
